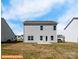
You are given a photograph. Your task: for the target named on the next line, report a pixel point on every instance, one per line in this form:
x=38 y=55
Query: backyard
x=39 y=51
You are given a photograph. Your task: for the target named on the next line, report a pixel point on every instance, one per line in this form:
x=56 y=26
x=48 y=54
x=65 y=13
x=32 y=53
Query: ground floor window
x=52 y=37
x=41 y=37
x=30 y=37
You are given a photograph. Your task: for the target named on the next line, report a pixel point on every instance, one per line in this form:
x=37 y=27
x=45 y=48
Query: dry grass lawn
x=39 y=51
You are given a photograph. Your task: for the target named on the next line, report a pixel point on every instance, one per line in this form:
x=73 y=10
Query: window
x=30 y=37
x=51 y=37
x=41 y=37
x=54 y=27
x=41 y=27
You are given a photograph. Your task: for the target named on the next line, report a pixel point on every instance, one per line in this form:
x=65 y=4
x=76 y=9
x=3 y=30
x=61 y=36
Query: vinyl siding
x=36 y=32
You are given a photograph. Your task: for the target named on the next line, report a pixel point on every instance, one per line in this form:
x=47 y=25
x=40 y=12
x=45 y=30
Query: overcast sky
x=17 y=11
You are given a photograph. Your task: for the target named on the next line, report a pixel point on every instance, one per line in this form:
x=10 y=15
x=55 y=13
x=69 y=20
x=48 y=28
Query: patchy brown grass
x=39 y=51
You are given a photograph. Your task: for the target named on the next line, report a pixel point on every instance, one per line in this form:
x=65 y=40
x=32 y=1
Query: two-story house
x=41 y=32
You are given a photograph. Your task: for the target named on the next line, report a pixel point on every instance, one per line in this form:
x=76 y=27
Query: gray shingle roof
x=40 y=23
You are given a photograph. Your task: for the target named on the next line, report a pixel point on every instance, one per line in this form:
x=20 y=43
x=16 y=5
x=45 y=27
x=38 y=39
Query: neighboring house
x=71 y=31
x=41 y=32
x=19 y=37
x=6 y=32
x=60 y=38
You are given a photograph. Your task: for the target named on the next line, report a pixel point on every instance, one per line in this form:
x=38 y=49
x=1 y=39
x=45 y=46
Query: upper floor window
x=41 y=27
x=54 y=27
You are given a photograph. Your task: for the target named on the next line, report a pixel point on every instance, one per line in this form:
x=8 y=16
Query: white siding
x=71 y=32
x=36 y=32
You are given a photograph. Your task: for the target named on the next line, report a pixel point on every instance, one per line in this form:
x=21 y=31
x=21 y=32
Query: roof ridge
x=40 y=23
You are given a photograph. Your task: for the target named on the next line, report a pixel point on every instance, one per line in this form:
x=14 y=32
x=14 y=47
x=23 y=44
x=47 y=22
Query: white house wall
x=71 y=32
x=36 y=32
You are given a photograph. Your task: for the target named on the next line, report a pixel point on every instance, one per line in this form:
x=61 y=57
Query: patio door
x=46 y=39
x=43 y=39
